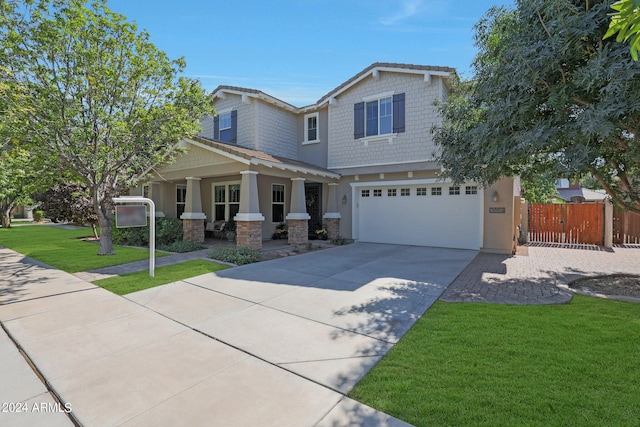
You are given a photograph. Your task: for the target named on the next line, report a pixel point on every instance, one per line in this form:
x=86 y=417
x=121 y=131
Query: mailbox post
x=152 y=226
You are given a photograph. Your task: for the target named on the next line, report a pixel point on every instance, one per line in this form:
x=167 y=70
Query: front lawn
x=134 y=282
x=502 y=365
x=64 y=249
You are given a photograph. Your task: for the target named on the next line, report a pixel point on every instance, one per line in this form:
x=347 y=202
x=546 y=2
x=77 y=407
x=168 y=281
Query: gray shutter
x=234 y=127
x=398 y=113
x=216 y=128
x=358 y=120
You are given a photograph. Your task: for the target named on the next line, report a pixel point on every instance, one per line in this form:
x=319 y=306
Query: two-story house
x=359 y=162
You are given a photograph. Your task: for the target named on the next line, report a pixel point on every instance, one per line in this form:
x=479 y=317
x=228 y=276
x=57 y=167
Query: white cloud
x=408 y=8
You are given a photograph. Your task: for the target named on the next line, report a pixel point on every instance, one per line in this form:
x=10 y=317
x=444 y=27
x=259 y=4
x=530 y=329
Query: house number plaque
x=497 y=210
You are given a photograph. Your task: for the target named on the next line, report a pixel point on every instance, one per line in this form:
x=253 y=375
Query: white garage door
x=440 y=215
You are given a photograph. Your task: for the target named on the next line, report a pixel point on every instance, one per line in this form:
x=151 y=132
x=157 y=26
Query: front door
x=313 y=196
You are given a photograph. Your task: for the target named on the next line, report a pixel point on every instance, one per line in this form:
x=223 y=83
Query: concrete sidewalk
x=114 y=362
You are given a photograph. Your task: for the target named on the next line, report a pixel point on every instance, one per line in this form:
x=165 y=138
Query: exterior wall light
x=494 y=196
x=344 y=199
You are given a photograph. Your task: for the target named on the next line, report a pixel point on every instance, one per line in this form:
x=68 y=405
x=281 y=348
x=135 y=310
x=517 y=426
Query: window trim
x=397 y=116
x=283 y=203
x=306 y=128
x=184 y=203
x=378 y=117
x=227 y=197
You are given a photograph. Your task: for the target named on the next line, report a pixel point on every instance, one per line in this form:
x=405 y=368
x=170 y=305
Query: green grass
x=497 y=365
x=63 y=248
x=133 y=282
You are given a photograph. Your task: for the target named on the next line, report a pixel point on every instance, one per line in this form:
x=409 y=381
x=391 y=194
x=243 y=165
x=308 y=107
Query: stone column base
x=193 y=230
x=298 y=231
x=333 y=227
x=249 y=234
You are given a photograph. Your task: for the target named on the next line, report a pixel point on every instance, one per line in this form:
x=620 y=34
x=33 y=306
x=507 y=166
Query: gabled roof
x=374 y=69
x=426 y=70
x=253 y=93
x=248 y=156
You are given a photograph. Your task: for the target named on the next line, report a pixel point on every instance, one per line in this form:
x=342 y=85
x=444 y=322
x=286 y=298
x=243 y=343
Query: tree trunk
x=104 y=210
x=5 y=209
x=106 y=245
x=6 y=218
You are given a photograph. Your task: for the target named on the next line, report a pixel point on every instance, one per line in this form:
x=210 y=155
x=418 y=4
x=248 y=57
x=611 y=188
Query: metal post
x=152 y=226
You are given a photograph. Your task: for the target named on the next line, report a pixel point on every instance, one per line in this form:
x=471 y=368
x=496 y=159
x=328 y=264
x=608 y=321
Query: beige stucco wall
x=500 y=217
x=315 y=153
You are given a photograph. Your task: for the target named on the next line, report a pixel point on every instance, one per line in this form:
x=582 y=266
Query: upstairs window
x=311 y=128
x=381 y=116
x=225 y=127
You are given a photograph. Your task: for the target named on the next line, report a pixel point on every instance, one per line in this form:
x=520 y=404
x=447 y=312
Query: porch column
x=298 y=218
x=155 y=194
x=193 y=218
x=249 y=219
x=332 y=216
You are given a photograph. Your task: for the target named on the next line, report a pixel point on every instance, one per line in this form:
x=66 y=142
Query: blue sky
x=299 y=50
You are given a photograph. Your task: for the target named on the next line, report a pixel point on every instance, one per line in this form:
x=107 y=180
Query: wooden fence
x=572 y=223
x=626 y=227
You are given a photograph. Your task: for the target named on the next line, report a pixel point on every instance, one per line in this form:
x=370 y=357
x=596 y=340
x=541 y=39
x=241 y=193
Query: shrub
x=168 y=232
x=339 y=241
x=181 y=246
x=68 y=201
x=38 y=216
x=238 y=256
x=131 y=236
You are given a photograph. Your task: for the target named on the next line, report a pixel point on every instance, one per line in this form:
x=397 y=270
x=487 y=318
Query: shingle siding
x=277 y=130
x=246 y=120
x=420 y=115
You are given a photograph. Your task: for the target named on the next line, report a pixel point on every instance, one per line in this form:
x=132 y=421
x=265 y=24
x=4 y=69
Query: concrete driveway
x=273 y=343
x=328 y=316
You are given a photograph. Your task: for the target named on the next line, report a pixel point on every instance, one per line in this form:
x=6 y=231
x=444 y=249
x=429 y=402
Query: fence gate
x=573 y=223
x=626 y=227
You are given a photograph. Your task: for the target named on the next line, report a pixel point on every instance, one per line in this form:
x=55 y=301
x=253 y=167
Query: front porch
x=251 y=192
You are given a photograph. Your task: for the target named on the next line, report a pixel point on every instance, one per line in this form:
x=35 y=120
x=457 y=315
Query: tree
x=626 y=23
x=99 y=95
x=20 y=176
x=68 y=201
x=548 y=96
x=537 y=187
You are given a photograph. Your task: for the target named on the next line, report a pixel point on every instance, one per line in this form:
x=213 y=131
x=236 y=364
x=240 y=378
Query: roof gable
x=373 y=70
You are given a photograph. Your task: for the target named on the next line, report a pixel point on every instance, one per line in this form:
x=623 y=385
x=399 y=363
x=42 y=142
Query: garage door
x=438 y=215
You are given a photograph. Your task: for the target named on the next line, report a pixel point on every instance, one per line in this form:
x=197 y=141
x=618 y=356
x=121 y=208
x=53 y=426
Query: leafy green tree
x=549 y=96
x=538 y=187
x=625 y=22
x=20 y=176
x=99 y=95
